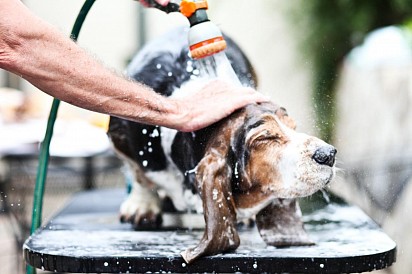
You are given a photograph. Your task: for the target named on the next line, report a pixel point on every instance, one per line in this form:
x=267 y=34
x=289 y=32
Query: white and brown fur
x=252 y=163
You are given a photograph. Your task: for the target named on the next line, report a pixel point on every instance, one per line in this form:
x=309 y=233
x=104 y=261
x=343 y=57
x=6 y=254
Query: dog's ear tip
x=187 y=256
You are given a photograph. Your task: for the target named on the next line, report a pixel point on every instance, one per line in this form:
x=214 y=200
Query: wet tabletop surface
x=86 y=237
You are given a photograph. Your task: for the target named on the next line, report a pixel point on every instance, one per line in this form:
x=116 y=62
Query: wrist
x=176 y=116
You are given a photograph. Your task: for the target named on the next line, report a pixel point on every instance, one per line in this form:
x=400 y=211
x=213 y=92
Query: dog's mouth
x=332 y=175
x=307 y=178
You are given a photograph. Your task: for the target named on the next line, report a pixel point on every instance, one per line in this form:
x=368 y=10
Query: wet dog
x=252 y=163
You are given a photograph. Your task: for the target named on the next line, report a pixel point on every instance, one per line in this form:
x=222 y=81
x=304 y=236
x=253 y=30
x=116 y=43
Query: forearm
x=36 y=51
x=49 y=60
x=79 y=79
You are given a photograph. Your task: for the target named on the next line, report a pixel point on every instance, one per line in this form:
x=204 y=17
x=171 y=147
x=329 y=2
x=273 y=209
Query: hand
x=151 y=3
x=214 y=102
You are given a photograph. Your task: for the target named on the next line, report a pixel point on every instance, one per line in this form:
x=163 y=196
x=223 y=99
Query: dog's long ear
x=280 y=224
x=239 y=156
x=213 y=179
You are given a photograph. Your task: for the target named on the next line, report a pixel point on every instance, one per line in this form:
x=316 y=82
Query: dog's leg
x=142 y=206
x=280 y=224
x=220 y=234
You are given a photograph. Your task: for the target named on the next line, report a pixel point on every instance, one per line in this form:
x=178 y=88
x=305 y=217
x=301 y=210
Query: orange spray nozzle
x=188 y=8
x=205 y=38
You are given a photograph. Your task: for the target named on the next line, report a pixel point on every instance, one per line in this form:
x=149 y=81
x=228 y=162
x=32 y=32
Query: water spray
x=206 y=41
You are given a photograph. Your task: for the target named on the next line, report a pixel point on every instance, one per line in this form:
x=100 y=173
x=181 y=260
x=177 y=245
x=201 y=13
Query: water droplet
x=183 y=264
x=155 y=133
x=144 y=163
x=187 y=172
x=169 y=74
x=106 y=263
x=321 y=265
x=144 y=131
x=325 y=196
x=236 y=171
x=158 y=66
x=141 y=153
x=255 y=265
x=215 y=192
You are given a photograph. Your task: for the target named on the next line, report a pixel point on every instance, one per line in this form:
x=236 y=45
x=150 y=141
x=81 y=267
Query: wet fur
x=232 y=165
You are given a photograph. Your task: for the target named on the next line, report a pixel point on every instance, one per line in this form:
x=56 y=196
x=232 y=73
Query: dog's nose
x=325 y=155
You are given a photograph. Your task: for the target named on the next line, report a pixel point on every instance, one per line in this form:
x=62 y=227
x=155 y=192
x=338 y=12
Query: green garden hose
x=45 y=145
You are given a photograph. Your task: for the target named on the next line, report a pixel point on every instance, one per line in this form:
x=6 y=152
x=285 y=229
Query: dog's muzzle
x=325 y=155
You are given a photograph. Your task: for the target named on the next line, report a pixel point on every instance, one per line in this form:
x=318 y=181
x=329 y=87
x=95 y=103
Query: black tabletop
x=86 y=237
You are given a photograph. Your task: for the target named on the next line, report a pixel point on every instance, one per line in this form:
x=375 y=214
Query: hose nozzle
x=205 y=38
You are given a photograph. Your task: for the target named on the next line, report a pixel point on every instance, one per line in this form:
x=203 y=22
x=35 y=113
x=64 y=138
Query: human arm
x=39 y=53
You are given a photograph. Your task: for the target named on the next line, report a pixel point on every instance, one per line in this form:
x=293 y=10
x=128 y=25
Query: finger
x=242 y=96
x=144 y=3
x=163 y=2
x=253 y=95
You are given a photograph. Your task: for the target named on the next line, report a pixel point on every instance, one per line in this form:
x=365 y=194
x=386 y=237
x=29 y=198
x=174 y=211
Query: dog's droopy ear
x=213 y=179
x=280 y=224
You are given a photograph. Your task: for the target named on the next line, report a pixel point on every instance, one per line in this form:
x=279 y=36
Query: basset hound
x=251 y=164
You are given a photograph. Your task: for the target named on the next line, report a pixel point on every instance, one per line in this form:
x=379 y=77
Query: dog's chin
x=304 y=186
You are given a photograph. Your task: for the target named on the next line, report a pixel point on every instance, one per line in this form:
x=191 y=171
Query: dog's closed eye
x=267 y=137
x=268 y=132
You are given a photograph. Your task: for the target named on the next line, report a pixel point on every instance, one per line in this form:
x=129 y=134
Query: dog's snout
x=325 y=155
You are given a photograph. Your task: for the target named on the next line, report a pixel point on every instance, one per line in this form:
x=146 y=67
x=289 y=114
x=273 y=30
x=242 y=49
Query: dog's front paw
x=141 y=209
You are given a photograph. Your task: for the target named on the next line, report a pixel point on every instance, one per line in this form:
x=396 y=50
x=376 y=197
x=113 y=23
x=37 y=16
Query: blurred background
x=342 y=69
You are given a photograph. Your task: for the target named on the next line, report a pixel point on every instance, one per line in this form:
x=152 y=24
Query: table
x=86 y=237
